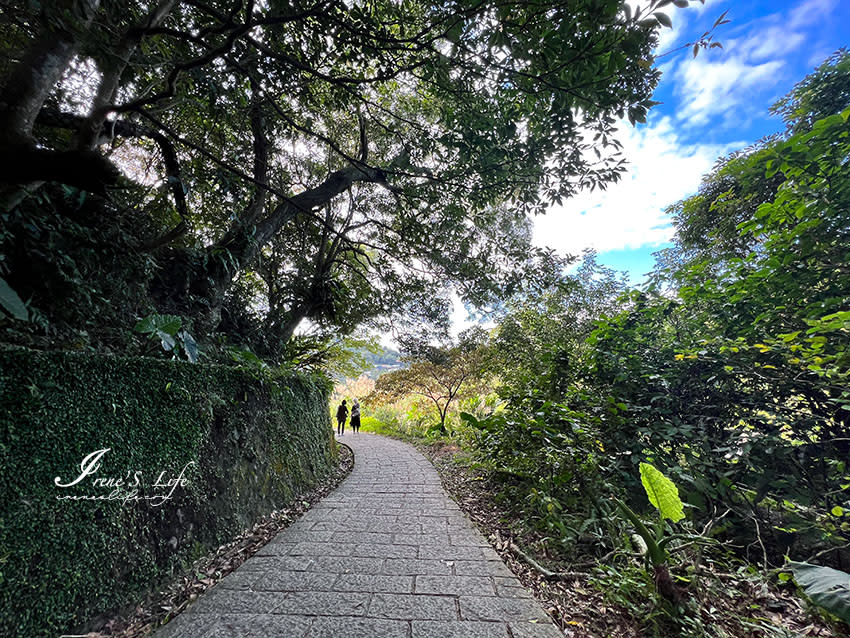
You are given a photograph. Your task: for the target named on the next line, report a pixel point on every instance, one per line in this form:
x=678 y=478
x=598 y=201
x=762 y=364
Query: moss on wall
x=250 y=441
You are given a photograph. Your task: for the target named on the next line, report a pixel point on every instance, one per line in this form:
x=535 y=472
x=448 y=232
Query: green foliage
x=827 y=587
x=276 y=179
x=441 y=375
x=244 y=357
x=78 y=267
x=256 y=441
x=662 y=493
x=11 y=303
x=167 y=328
x=730 y=370
x=375 y=426
x=552 y=467
x=823 y=92
x=664 y=496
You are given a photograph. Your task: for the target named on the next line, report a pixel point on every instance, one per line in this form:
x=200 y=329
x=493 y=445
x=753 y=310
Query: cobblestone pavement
x=386 y=555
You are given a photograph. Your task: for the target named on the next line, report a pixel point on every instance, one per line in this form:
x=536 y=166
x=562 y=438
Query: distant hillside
x=385 y=360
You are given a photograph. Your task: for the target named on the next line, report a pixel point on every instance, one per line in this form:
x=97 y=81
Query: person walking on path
x=341 y=416
x=355 y=416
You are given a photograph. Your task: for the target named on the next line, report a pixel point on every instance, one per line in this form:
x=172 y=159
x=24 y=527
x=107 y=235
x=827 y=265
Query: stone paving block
x=261 y=626
x=510 y=588
x=219 y=600
x=388 y=528
x=388 y=555
x=385 y=551
x=442 y=512
x=369 y=516
x=414 y=566
x=309 y=536
x=294 y=581
x=482 y=568
x=297 y=526
x=261 y=563
x=493 y=608
x=347 y=565
x=490 y=554
x=314 y=603
x=376 y=538
x=187 y=626
x=468 y=539
x=240 y=579
x=276 y=549
x=466 y=585
x=321 y=549
x=439 y=539
x=382 y=583
x=325 y=526
x=458 y=629
x=320 y=514
x=337 y=627
x=413 y=607
x=451 y=552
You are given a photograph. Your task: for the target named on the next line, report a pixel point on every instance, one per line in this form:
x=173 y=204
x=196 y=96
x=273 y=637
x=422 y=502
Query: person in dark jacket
x=341 y=416
x=355 y=417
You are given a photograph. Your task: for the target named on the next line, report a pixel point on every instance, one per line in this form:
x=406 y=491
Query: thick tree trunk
x=292 y=322
x=32 y=79
x=112 y=70
x=23 y=95
x=196 y=285
x=29 y=85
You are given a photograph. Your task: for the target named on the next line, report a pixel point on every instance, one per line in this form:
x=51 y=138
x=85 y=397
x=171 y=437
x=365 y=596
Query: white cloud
x=630 y=214
x=710 y=89
x=718 y=88
x=724 y=84
x=810 y=12
x=681 y=19
x=772 y=42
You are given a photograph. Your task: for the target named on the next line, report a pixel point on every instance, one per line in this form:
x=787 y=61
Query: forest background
x=261 y=184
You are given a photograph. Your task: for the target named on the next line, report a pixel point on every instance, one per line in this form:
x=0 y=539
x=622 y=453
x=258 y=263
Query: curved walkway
x=386 y=555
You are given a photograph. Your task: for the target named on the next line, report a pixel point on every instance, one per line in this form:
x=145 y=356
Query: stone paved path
x=386 y=555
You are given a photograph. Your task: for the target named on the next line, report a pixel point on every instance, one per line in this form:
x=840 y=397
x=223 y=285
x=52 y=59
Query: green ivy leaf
x=153 y=324
x=827 y=587
x=190 y=346
x=662 y=493
x=11 y=302
x=664 y=19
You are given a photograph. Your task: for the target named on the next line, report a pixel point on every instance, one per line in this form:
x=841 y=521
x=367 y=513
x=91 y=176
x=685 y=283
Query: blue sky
x=711 y=105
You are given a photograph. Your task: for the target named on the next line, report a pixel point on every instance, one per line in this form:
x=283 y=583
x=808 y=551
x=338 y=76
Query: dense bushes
x=728 y=372
x=256 y=439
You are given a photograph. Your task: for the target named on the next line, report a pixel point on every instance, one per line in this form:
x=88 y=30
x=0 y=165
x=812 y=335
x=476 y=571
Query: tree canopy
x=315 y=160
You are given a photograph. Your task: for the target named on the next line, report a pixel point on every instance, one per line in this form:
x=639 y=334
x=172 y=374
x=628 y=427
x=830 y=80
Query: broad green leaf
x=662 y=493
x=664 y=19
x=152 y=324
x=190 y=346
x=168 y=341
x=827 y=587
x=11 y=302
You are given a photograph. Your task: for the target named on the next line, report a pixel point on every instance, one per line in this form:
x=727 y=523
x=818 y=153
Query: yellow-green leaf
x=662 y=493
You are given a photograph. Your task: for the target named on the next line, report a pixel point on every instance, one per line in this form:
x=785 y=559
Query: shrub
x=256 y=439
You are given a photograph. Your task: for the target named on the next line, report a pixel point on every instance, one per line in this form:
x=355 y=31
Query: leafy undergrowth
x=617 y=597
x=162 y=606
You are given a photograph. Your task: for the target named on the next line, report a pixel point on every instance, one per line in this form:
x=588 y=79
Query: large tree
x=388 y=142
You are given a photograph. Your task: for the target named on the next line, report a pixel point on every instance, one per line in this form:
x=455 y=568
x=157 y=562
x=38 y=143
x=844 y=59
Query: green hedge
x=256 y=441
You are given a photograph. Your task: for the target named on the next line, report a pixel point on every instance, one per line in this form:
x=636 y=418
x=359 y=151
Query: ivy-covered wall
x=249 y=441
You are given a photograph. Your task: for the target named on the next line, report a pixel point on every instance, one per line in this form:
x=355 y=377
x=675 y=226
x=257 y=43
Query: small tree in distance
x=443 y=375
